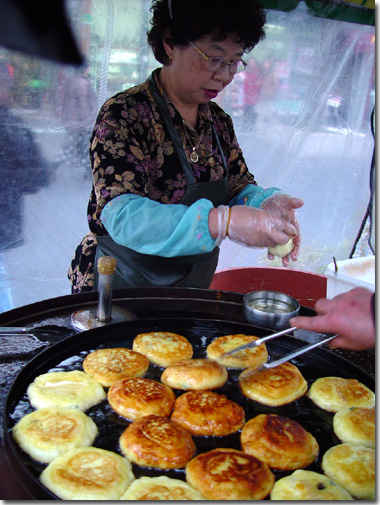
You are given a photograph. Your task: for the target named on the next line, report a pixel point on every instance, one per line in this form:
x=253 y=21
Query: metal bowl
x=270 y=309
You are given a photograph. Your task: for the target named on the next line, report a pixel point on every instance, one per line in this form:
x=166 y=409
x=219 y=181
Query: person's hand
x=349 y=314
x=285 y=206
x=258 y=228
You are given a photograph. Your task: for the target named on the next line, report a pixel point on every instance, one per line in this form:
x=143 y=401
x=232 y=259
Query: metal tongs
x=285 y=358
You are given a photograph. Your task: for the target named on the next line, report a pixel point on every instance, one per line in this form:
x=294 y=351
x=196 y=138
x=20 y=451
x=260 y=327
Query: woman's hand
x=349 y=314
x=250 y=226
x=285 y=206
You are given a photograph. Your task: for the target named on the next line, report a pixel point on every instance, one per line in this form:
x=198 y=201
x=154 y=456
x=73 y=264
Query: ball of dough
x=281 y=250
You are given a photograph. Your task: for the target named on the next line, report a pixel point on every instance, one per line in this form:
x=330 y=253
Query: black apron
x=135 y=269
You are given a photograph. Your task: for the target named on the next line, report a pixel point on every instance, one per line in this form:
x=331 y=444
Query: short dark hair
x=193 y=19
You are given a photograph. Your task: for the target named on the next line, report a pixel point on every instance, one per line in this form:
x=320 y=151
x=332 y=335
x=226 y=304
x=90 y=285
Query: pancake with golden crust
x=229 y=474
x=336 y=393
x=246 y=358
x=160 y=488
x=109 y=365
x=137 y=397
x=163 y=348
x=65 y=389
x=158 y=442
x=353 y=467
x=274 y=386
x=199 y=374
x=46 y=434
x=306 y=485
x=279 y=441
x=88 y=473
x=356 y=425
x=208 y=413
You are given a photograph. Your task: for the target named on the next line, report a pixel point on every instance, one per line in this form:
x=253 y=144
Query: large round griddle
x=69 y=353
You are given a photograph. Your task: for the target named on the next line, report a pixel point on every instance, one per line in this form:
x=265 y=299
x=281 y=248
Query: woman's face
x=189 y=75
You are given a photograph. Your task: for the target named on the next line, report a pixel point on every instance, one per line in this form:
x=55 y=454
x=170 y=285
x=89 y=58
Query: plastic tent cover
x=355 y=11
x=301 y=110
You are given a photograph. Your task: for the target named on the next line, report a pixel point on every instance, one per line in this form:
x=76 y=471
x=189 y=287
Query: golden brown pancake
x=251 y=357
x=356 y=425
x=158 y=442
x=197 y=374
x=88 y=473
x=65 y=389
x=109 y=365
x=208 y=413
x=336 y=393
x=229 y=474
x=137 y=397
x=279 y=441
x=353 y=467
x=274 y=386
x=306 y=485
x=163 y=348
x=48 y=433
x=160 y=488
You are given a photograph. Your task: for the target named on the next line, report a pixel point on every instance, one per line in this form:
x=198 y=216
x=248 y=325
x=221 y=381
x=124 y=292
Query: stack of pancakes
x=163 y=420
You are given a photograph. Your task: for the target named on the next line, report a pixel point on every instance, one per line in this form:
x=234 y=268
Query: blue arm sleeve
x=151 y=227
x=253 y=195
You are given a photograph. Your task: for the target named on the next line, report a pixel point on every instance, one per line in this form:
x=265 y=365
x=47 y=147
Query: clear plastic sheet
x=311 y=133
x=301 y=110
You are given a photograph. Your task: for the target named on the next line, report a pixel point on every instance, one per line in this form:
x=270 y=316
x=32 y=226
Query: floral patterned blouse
x=131 y=153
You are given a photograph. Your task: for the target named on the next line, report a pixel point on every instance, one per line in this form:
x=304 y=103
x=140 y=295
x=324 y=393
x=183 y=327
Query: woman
x=169 y=178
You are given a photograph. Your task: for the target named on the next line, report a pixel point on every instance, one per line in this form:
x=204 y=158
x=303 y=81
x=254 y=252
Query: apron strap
x=187 y=169
x=220 y=149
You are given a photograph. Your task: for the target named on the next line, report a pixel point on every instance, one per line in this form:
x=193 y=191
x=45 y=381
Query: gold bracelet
x=228 y=221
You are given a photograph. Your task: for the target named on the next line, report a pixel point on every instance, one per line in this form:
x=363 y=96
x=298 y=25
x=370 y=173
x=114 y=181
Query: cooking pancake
x=229 y=474
x=65 y=389
x=353 y=467
x=280 y=442
x=274 y=386
x=306 y=485
x=163 y=348
x=88 y=473
x=195 y=374
x=160 y=488
x=336 y=393
x=251 y=357
x=158 y=442
x=356 y=425
x=48 y=433
x=208 y=413
x=137 y=397
x=109 y=365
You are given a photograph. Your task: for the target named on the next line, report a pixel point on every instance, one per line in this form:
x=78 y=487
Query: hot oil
x=271 y=306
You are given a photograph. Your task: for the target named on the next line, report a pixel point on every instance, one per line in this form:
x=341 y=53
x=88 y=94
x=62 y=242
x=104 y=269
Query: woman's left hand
x=285 y=205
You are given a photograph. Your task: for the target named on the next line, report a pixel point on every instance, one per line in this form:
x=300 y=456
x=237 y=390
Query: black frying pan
x=69 y=353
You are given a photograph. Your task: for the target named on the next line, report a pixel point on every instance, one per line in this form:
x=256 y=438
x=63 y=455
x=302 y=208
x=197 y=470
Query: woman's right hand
x=258 y=227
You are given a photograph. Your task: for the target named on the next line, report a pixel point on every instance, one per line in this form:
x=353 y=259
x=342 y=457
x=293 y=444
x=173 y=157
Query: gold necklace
x=193 y=156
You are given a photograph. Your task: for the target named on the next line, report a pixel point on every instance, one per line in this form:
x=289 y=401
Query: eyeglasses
x=218 y=63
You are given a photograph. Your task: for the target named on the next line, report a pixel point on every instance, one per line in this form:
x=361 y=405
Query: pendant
x=193 y=156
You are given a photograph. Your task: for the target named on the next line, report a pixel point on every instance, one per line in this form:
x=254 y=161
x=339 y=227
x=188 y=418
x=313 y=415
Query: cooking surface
x=209 y=308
